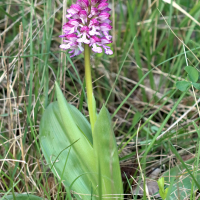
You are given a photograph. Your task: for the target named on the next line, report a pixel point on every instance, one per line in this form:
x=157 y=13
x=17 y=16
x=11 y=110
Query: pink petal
x=83 y=3
x=103 y=16
x=64 y=46
x=105 y=27
x=96 y=49
x=102 y=6
x=108 y=52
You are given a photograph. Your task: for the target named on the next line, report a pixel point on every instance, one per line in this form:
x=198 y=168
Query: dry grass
x=31 y=61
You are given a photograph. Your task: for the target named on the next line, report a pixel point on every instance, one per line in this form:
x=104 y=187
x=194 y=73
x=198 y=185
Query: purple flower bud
x=74 y=8
x=64 y=35
x=68 y=28
x=104 y=40
x=102 y=6
x=93 y=22
x=94 y=2
x=105 y=27
x=72 y=37
x=107 y=21
x=83 y=3
x=94 y=39
x=83 y=16
x=106 y=10
x=102 y=1
x=74 y=22
x=103 y=16
x=93 y=12
x=85 y=29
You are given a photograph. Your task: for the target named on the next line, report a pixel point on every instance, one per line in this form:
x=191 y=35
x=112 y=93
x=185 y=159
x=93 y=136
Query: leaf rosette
x=86 y=164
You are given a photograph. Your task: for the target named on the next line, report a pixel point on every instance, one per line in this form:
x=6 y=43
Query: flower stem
x=88 y=80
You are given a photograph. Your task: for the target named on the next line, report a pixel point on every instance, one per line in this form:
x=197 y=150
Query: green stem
x=88 y=80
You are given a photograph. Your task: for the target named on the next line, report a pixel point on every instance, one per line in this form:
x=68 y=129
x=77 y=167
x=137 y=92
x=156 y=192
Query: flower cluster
x=88 y=23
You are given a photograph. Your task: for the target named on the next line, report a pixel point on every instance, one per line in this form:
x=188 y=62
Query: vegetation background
x=156 y=125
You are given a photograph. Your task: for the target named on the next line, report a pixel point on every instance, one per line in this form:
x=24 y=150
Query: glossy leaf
x=182 y=85
x=192 y=73
x=110 y=183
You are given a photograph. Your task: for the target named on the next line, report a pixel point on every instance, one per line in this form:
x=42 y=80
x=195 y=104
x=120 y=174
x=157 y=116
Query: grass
x=137 y=84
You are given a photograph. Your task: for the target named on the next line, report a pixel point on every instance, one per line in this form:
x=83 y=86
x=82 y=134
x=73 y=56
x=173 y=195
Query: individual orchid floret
x=83 y=35
x=83 y=3
x=88 y=23
x=71 y=26
x=94 y=41
x=83 y=16
x=102 y=6
x=74 y=8
x=94 y=11
x=103 y=16
x=107 y=49
x=71 y=43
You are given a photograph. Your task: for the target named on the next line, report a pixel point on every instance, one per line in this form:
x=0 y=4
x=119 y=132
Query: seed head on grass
x=88 y=23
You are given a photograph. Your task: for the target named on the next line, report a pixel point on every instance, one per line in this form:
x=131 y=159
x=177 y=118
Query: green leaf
x=182 y=85
x=162 y=191
x=94 y=108
x=182 y=180
x=62 y=124
x=22 y=197
x=161 y=183
x=107 y=157
x=192 y=73
x=81 y=122
x=196 y=85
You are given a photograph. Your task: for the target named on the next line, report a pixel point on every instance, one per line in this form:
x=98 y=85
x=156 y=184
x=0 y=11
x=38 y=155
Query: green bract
x=87 y=165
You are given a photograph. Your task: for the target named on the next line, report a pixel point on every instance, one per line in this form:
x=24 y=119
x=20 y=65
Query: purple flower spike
x=88 y=23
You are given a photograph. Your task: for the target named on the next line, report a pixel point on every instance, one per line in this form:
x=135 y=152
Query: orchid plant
x=83 y=155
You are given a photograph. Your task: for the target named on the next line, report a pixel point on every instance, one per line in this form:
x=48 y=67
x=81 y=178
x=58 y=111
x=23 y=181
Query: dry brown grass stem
x=63 y=57
x=9 y=104
x=143 y=179
x=20 y=63
x=155 y=33
x=6 y=24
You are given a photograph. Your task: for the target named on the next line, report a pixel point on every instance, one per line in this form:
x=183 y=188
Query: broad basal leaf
x=62 y=125
x=110 y=183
